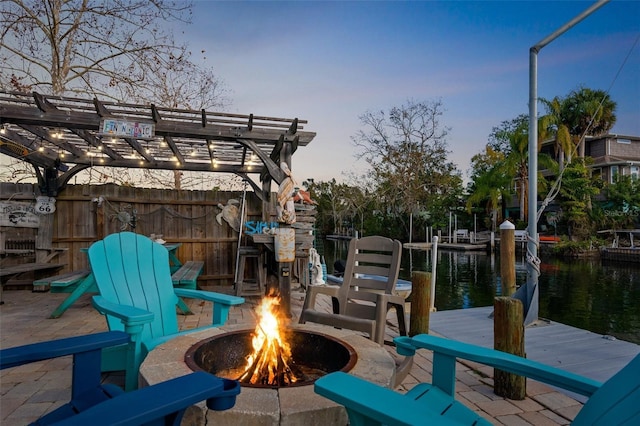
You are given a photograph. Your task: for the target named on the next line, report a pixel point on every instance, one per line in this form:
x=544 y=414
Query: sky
x=329 y=62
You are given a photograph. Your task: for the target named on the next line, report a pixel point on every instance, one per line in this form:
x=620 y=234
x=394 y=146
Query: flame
x=269 y=362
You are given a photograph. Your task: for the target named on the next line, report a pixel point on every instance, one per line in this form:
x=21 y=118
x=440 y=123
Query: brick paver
x=29 y=391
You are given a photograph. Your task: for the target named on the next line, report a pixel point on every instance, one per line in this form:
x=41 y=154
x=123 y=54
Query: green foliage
x=408 y=154
x=578 y=188
x=623 y=203
x=569 y=248
x=582 y=112
x=500 y=137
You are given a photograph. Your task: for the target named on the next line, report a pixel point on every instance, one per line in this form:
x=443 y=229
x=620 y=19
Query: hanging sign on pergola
x=126 y=129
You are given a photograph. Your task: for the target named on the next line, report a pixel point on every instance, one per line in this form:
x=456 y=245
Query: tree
x=332 y=204
x=499 y=138
x=489 y=183
x=623 y=207
x=517 y=165
x=552 y=127
x=407 y=151
x=578 y=188
x=360 y=196
x=582 y=113
x=122 y=50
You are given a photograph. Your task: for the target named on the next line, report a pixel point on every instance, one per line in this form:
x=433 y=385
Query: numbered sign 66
x=45 y=205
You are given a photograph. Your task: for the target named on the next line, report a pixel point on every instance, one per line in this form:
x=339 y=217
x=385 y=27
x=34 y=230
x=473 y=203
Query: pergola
x=60 y=136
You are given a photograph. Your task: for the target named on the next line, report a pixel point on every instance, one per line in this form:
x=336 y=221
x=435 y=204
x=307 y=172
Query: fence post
x=508 y=336
x=507 y=258
x=420 y=303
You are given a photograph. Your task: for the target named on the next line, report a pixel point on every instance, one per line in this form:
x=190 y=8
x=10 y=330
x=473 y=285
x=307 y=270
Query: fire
x=270 y=363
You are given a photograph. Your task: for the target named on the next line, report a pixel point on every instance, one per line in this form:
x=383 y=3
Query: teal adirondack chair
x=615 y=402
x=94 y=403
x=137 y=296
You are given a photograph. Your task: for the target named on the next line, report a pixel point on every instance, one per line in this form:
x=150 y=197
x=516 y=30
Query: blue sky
x=330 y=62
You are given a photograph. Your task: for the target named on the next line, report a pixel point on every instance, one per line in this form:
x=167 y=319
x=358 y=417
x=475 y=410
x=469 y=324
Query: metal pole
x=529 y=292
x=434 y=263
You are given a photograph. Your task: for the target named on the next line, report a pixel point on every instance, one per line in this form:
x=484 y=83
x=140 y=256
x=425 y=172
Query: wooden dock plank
x=559 y=345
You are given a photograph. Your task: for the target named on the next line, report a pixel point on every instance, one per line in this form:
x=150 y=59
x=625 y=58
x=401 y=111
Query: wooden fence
x=86 y=213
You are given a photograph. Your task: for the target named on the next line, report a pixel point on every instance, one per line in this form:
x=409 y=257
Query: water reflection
x=589 y=294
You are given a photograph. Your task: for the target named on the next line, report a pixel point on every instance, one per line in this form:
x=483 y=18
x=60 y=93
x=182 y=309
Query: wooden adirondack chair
x=616 y=402
x=97 y=404
x=137 y=296
x=362 y=301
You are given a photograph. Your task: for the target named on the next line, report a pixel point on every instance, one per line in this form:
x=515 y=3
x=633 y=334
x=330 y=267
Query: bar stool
x=250 y=286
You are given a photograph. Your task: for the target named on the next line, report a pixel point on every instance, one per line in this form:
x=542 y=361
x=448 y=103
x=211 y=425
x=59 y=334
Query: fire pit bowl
x=292 y=405
x=313 y=353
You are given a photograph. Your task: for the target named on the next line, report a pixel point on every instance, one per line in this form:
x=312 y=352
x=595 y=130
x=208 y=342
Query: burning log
x=270 y=364
x=271 y=370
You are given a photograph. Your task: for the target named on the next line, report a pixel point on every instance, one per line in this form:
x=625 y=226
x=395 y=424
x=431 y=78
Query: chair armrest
x=329 y=290
x=130 y=315
x=372 y=403
x=221 y=303
x=314 y=290
x=160 y=401
x=13 y=357
x=446 y=350
x=209 y=296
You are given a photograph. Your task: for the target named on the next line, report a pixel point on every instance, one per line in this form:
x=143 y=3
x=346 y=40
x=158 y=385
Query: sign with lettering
x=259 y=227
x=18 y=214
x=126 y=129
x=45 y=205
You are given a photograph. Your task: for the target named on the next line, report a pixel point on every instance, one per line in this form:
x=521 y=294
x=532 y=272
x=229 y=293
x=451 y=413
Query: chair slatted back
x=132 y=270
x=372 y=266
x=617 y=401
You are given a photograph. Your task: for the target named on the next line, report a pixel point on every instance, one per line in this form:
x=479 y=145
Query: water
x=601 y=297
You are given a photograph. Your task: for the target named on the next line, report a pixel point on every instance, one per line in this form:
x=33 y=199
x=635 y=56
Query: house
x=612 y=154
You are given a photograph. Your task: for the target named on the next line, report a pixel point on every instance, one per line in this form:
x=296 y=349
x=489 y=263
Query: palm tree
x=551 y=126
x=490 y=183
x=589 y=112
x=583 y=112
x=517 y=166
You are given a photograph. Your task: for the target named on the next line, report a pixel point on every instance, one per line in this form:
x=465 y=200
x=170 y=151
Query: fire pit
x=272 y=354
x=276 y=364
x=313 y=355
x=292 y=405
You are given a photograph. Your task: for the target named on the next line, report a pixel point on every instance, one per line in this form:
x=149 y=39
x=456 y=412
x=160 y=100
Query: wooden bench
x=63 y=283
x=14 y=274
x=187 y=275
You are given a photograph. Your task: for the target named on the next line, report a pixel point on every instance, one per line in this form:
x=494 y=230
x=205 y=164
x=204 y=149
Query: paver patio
x=29 y=391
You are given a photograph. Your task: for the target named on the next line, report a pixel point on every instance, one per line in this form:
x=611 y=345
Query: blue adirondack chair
x=616 y=402
x=97 y=404
x=137 y=296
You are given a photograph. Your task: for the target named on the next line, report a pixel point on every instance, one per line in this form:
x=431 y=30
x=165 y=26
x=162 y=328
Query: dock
x=567 y=348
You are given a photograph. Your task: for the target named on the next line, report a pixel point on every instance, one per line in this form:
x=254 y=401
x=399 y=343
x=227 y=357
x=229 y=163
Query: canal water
x=590 y=294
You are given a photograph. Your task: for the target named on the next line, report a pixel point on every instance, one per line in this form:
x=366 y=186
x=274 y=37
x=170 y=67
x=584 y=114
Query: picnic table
x=80 y=282
x=16 y=272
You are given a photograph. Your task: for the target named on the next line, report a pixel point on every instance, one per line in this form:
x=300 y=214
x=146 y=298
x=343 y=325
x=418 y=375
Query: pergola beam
x=29 y=119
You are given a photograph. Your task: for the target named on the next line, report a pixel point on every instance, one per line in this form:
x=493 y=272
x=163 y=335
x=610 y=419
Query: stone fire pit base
x=291 y=406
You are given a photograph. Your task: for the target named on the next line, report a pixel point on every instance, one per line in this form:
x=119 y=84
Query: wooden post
x=100 y=219
x=420 y=303
x=508 y=336
x=285 y=269
x=507 y=258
